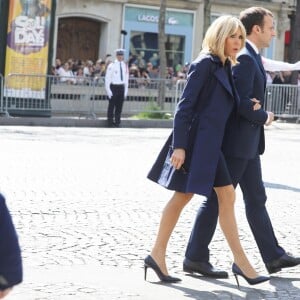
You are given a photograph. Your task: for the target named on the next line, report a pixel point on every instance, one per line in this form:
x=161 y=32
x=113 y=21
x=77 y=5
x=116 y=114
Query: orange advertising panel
x=27 y=47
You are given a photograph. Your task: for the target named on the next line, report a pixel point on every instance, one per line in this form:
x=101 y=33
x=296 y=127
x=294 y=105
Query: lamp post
x=123 y=33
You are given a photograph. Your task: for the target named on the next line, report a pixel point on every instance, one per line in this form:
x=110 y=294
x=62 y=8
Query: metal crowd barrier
x=281 y=99
x=26 y=95
x=78 y=96
x=83 y=96
x=180 y=84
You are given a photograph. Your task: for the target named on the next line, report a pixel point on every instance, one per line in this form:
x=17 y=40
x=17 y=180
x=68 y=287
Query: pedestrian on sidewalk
x=116 y=85
x=191 y=160
x=243 y=144
x=11 y=272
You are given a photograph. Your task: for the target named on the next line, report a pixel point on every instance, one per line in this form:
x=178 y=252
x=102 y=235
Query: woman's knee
x=179 y=199
x=183 y=196
x=225 y=194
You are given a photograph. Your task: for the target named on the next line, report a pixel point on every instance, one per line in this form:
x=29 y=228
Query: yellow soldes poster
x=27 y=48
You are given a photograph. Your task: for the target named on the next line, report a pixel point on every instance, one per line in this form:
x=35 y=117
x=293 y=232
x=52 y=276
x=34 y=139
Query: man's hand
x=109 y=94
x=270 y=118
x=256 y=105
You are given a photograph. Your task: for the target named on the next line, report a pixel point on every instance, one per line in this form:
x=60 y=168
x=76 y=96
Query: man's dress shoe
x=285 y=261
x=204 y=268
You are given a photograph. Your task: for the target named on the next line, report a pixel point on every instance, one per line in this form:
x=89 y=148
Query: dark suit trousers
x=115 y=104
x=248 y=174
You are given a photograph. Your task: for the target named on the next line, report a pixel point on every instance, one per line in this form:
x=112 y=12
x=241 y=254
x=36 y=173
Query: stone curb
x=101 y=122
x=81 y=122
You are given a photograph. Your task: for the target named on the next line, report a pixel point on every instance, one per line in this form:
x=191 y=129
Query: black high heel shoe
x=252 y=281
x=150 y=263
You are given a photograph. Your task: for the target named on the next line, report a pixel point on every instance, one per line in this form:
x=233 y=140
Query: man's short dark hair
x=254 y=16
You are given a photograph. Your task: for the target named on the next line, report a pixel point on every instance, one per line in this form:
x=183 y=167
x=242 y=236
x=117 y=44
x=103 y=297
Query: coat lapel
x=257 y=58
x=222 y=76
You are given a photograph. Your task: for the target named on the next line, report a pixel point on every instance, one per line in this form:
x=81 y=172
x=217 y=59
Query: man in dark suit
x=243 y=143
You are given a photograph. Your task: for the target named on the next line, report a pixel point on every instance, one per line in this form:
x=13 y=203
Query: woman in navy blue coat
x=191 y=161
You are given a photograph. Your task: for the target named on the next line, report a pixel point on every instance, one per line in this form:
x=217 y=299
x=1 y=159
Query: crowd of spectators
x=80 y=72
x=142 y=74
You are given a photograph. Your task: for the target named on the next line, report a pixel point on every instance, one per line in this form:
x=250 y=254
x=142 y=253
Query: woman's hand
x=4 y=293
x=177 y=158
x=257 y=105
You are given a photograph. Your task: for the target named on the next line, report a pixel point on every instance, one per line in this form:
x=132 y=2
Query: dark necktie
x=121 y=72
x=261 y=64
x=259 y=60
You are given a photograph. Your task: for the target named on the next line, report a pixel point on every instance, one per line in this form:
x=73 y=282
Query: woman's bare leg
x=226 y=199
x=168 y=221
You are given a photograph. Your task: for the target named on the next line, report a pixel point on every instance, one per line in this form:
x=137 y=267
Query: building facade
x=91 y=29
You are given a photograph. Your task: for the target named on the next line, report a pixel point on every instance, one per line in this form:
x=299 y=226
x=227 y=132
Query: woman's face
x=233 y=44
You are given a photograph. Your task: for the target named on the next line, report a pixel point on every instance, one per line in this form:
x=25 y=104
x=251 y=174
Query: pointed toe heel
x=149 y=262
x=252 y=281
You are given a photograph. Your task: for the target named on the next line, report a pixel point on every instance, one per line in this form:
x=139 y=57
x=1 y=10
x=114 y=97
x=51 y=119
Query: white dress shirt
x=113 y=76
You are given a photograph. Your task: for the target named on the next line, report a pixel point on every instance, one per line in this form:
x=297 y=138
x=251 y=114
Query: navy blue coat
x=11 y=271
x=245 y=136
x=206 y=103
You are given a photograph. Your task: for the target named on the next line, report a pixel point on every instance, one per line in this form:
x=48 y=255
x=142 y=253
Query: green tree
x=207 y=9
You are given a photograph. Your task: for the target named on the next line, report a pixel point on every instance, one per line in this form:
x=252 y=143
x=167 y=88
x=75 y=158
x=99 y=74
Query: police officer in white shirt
x=116 y=85
x=276 y=65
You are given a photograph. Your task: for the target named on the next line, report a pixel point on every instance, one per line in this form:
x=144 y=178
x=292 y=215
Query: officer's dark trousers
x=115 y=104
x=248 y=174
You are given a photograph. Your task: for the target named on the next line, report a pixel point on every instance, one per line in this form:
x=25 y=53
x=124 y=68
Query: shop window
x=144 y=46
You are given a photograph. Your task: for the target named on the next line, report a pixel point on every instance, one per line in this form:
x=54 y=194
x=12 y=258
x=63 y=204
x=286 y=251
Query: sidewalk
x=89 y=282
x=86 y=215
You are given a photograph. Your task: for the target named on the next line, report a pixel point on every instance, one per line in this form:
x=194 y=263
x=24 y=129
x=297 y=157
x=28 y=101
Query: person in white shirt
x=66 y=75
x=116 y=85
x=276 y=65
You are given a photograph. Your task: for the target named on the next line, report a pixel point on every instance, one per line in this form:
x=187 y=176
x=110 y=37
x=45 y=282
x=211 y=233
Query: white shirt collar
x=253 y=46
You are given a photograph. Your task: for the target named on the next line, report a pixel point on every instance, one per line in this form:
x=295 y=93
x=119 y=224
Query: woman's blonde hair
x=217 y=33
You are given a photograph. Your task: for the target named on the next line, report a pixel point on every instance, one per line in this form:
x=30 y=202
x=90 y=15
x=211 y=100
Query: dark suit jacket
x=199 y=123
x=244 y=136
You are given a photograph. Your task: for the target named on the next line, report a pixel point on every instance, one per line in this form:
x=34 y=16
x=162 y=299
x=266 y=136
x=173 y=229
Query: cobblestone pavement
x=87 y=216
